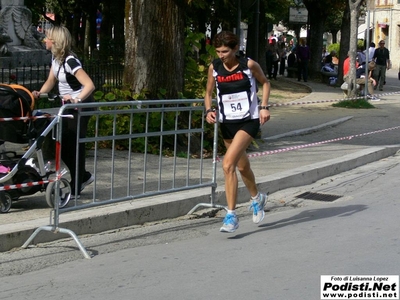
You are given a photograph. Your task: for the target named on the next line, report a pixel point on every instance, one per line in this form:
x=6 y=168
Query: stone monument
x=20 y=43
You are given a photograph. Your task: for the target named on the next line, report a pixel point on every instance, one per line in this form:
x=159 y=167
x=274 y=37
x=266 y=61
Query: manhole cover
x=318 y=196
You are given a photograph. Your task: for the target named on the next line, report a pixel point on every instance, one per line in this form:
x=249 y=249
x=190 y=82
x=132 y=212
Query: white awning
x=361 y=31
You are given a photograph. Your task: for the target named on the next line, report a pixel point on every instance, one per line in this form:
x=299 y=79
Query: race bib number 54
x=236 y=106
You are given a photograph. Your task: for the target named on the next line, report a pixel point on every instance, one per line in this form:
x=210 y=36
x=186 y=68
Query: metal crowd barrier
x=175 y=164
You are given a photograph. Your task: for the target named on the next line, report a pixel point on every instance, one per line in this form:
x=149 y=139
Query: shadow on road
x=306 y=216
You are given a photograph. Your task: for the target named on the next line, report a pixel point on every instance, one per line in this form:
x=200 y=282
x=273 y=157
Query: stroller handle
x=49 y=96
x=52 y=97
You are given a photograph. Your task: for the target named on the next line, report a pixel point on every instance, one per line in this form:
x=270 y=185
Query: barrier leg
x=214 y=178
x=210 y=205
x=56 y=230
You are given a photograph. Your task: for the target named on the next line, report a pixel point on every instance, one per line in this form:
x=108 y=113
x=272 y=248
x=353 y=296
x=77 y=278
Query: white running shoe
x=257 y=206
x=231 y=223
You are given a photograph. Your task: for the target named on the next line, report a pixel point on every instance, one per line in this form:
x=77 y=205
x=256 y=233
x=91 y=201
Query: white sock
x=233 y=212
x=256 y=196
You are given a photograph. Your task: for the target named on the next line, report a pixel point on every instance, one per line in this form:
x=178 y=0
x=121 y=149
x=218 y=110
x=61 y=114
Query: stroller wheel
x=5 y=202
x=65 y=193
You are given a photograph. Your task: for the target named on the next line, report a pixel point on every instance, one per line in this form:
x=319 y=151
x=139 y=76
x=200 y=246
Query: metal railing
x=171 y=159
x=105 y=75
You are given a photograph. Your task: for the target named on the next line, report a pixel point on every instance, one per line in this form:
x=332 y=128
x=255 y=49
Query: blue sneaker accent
x=257 y=206
x=231 y=223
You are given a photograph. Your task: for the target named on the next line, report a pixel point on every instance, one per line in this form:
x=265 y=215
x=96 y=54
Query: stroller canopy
x=15 y=101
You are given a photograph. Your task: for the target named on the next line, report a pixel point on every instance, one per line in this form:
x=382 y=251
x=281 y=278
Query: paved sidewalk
x=314 y=140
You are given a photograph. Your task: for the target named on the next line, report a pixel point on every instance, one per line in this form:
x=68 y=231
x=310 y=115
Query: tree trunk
x=262 y=41
x=154 y=56
x=257 y=41
x=317 y=26
x=75 y=31
x=334 y=36
x=118 y=17
x=354 y=14
x=105 y=34
x=344 y=41
x=201 y=27
x=317 y=14
x=112 y=39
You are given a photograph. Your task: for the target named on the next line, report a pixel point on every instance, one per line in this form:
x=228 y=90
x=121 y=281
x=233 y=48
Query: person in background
x=346 y=66
x=371 y=51
x=360 y=79
x=303 y=57
x=282 y=55
x=328 y=61
x=272 y=37
x=360 y=56
x=292 y=45
x=75 y=86
x=240 y=116
x=382 y=59
x=273 y=59
x=324 y=53
x=292 y=60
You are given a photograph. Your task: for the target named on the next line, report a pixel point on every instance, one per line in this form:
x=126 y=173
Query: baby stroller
x=24 y=174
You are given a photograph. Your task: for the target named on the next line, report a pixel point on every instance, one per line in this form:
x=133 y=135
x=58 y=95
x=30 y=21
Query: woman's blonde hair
x=62 y=41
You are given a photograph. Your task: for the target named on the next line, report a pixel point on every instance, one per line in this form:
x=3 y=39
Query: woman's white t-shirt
x=67 y=82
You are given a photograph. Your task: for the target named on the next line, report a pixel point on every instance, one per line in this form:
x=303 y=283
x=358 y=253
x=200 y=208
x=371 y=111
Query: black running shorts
x=229 y=130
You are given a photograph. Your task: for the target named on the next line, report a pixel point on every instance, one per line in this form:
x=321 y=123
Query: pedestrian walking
x=75 y=86
x=240 y=117
x=382 y=60
x=371 y=51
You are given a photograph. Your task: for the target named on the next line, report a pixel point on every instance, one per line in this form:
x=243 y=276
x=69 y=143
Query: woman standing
x=74 y=85
x=240 y=117
x=282 y=55
x=303 y=57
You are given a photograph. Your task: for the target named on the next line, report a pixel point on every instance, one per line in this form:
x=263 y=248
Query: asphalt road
x=282 y=258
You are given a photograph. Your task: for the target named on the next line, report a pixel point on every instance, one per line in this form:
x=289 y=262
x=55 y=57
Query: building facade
x=385 y=25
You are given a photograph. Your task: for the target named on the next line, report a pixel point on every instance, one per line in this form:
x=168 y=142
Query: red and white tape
x=30 y=184
x=23 y=185
x=265 y=153
x=327 y=101
x=25 y=118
